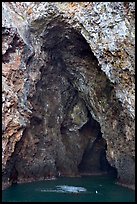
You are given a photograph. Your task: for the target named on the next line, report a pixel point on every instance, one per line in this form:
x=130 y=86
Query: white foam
x=65 y=189
x=51 y=190
x=71 y=189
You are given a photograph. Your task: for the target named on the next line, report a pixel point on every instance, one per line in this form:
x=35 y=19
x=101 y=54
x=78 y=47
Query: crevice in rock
x=94 y=159
x=12 y=43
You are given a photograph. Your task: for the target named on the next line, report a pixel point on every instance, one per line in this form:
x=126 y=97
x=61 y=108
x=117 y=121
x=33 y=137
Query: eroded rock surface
x=68 y=90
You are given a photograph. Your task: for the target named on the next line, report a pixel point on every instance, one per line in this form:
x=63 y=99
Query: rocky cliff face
x=68 y=90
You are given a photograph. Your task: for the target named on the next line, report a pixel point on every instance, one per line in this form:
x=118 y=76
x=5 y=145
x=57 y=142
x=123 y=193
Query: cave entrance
x=71 y=57
x=62 y=138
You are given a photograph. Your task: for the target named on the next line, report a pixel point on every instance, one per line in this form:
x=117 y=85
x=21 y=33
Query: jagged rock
x=65 y=64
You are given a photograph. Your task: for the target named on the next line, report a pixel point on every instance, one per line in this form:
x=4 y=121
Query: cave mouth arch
x=62 y=137
x=62 y=42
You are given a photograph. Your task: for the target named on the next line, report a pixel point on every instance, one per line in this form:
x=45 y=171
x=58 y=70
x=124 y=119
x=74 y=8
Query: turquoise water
x=85 y=189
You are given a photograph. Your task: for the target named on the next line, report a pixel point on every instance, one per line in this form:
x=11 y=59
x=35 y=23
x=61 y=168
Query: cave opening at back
x=94 y=159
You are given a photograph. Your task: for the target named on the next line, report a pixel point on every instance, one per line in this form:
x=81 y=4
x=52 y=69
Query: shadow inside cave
x=94 y=160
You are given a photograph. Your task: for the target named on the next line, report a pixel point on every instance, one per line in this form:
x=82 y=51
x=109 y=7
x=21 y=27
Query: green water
x=85 y=189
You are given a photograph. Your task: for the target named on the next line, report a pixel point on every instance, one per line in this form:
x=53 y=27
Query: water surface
x=85 y=189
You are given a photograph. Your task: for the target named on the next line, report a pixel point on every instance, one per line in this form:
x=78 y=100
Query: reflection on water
x=85 y=189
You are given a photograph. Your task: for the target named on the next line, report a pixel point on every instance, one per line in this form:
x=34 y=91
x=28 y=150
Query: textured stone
x=83 y=65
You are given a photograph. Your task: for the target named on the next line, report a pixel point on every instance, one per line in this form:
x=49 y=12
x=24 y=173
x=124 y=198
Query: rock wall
x=68 y=90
